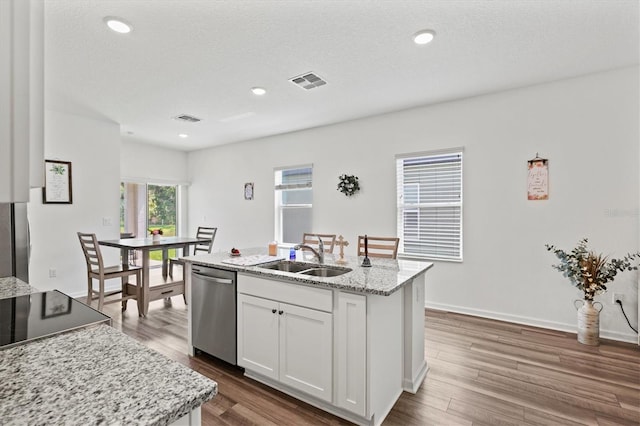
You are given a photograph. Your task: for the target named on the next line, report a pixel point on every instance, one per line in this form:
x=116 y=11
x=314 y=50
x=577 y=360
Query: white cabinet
x=258 y=335
x=288 y=343
x=306 y=350
x=351 y=354
x=21 y=97
x=351 y=348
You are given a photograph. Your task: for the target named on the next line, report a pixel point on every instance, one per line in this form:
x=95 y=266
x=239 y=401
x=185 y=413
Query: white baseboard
x=535 y=322
x=412 y=386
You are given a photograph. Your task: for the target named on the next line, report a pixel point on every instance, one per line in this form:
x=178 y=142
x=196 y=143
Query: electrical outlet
x=52 y=273
x=617 y=296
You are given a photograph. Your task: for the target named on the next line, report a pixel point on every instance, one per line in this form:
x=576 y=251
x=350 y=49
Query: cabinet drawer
x=166 y=290
x=295 y=294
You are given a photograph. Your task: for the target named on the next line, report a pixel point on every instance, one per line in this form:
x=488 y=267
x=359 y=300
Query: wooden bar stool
x=386 y=247
x=329 y=241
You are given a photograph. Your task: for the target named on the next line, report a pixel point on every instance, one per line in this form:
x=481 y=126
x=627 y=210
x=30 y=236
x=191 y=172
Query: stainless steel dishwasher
x=213 y=312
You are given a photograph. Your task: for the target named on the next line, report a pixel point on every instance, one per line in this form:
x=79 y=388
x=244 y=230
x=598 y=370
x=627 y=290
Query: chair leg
x=101 y=295
x=170 y=268
x=90 y=290
x=139 y=292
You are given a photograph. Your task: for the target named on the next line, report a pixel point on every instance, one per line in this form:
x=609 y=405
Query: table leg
x=124 y=258
x=144 y=303
x=165 y=261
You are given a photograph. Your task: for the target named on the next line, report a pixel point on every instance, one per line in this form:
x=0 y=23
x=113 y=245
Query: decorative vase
x=588 y=322
x=156 y=237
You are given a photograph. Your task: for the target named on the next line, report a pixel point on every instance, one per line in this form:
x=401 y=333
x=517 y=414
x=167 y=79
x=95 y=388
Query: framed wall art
x=538 y=179
x=248 y=191
x=57 y=182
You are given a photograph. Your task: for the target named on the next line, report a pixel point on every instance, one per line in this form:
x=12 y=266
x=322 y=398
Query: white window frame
x=279 y=207
x=415 y=206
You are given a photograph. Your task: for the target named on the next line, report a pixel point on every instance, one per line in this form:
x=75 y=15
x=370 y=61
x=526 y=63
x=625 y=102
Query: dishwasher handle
x=213 y=279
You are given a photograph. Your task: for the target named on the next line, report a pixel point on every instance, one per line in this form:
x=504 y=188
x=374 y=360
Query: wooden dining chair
x=97 y=270
x=379 y=246
x=329 y=240
x=200 y=248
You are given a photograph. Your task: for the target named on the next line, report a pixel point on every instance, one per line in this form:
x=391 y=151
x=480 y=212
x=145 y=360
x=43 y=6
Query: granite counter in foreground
x=384 y=277
x=12 y=287
x=96 y=375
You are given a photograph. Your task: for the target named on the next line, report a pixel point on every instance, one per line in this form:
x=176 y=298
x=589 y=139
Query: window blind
x=429 y=189
x=293 y=195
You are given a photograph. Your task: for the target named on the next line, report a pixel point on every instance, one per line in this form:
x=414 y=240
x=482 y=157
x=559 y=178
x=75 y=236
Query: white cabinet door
x=306 y=350
x=351 y=323
x=258 y=335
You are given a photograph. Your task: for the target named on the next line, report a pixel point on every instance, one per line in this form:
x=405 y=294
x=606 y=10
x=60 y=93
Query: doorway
x=145 y=207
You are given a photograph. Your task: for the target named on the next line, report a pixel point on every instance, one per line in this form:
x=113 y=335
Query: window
x=293 y=200
x=430 y=205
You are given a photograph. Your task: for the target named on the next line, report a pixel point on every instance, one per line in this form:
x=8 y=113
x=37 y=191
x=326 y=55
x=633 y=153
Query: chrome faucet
x=319 y=254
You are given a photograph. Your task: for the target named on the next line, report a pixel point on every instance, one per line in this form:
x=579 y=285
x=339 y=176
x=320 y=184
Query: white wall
x=93 y=147
x=147 y=163
x=587 y=127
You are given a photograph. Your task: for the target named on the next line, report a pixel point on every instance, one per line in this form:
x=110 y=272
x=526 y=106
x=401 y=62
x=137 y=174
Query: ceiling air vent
x=187 y=118
x=308 y=81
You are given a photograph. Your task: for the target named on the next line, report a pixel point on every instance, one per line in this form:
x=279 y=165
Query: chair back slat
x=91 y=251
x=209 y=234
x=329 y=241
x=384 y=247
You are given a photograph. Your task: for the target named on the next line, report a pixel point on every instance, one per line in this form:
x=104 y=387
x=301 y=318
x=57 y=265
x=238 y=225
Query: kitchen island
x=95 y=375
x=349 y=344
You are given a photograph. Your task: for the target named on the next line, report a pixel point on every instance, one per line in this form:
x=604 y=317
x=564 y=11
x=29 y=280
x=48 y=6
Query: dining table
x=168 y=286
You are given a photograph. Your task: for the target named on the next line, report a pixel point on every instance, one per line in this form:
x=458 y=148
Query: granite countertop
x=93 y=376
x=384 y=277
x=12 y=286
x=96 y=375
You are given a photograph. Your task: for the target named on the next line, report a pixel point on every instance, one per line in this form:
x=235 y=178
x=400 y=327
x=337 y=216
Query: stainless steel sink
x=325 y=271
x=304 y=268
x=289 y=266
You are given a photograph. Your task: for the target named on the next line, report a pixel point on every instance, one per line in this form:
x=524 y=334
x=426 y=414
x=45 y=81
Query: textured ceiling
x=202 y=57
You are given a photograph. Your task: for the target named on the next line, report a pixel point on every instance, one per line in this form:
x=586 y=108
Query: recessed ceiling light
x=183 y=135
x=423 y=37
x=118 y=25
x=258 y=91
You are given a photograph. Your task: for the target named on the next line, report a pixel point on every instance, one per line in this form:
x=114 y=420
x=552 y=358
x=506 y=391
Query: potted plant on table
x=155 y=234
x=590 y=272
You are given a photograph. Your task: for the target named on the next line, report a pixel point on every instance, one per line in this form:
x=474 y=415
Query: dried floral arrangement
x=590 y=271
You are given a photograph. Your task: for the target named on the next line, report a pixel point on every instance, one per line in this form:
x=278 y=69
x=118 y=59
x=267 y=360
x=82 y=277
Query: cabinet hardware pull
x=273 y=311
x=280 y=312
x=167 y=292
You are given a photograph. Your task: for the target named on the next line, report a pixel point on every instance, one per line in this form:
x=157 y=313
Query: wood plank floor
x=482 y=372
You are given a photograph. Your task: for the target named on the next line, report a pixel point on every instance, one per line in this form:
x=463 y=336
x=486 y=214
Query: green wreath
x=348 y=184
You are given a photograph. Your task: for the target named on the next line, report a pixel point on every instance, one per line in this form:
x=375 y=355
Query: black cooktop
x=33 y=316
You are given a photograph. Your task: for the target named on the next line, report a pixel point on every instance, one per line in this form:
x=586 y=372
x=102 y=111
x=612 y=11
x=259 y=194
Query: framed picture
x=55 y=304
x=538 y=179
x=248 y=191
x=57 y=182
